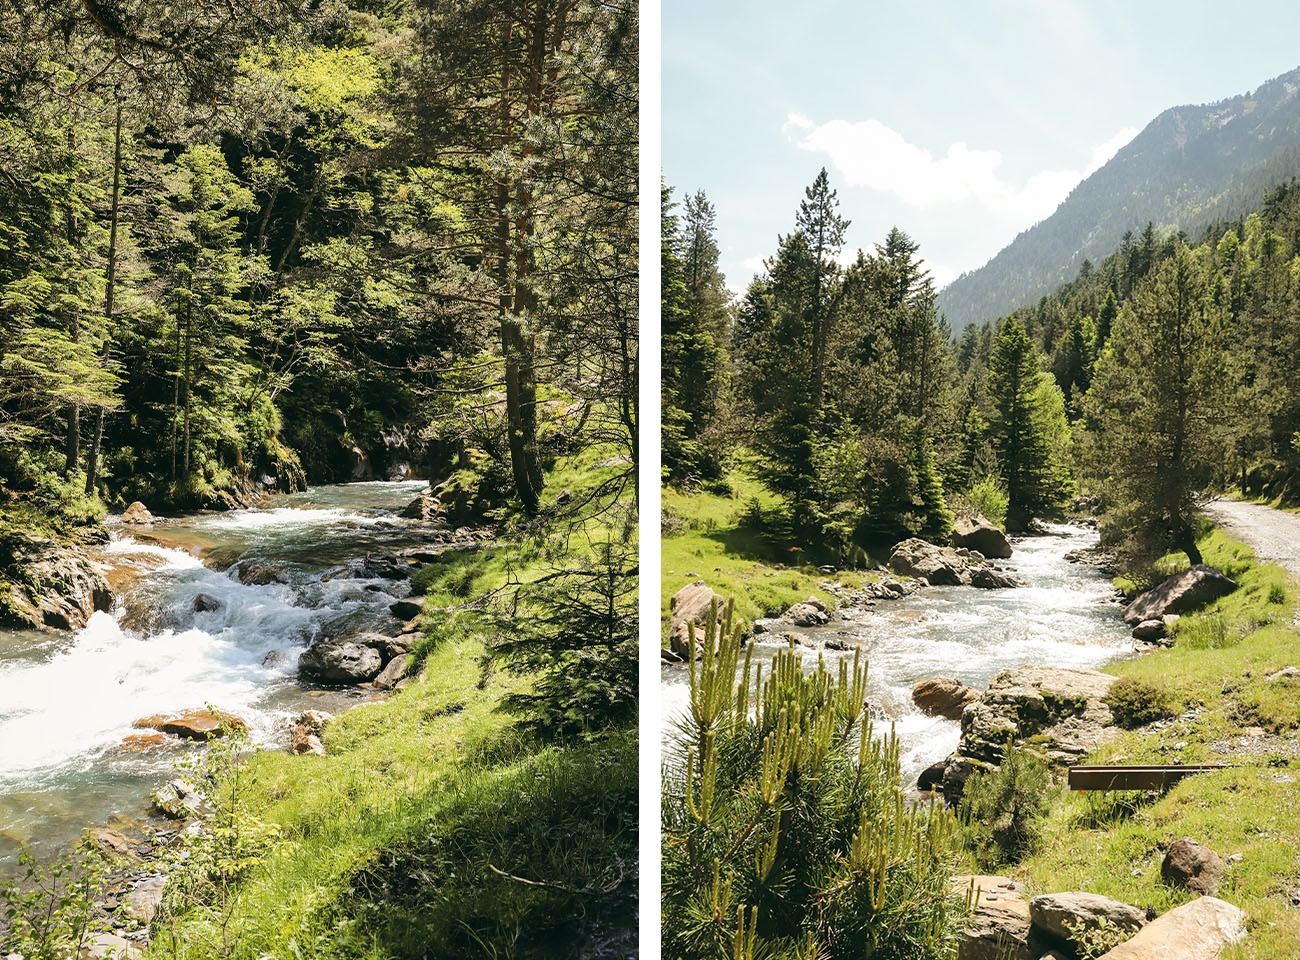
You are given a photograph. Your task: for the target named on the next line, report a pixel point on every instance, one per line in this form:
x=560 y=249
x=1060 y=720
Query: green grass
x=726 y=539
x=1216 y=678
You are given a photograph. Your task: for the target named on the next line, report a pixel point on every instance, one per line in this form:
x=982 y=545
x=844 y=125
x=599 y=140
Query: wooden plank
x=1135 y=776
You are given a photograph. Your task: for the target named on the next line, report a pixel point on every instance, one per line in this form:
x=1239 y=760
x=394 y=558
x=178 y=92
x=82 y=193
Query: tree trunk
x=73 y=445
x=110 y=282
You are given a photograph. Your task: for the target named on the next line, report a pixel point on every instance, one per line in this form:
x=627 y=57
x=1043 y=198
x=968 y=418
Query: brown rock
x=147 y=741
x=976 y=533
x=1198 y=930
x=111 y=844
x=998 y=927
x=943 y=697
x=137 y=513
x=193 y=724
x=690 y=605
x=259 y=573
x=1192 y=866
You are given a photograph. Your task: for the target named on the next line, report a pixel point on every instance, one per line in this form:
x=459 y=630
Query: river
x=67 y=700
x=1063 y=616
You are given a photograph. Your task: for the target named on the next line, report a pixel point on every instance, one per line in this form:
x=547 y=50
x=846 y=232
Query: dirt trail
x=1272 y=534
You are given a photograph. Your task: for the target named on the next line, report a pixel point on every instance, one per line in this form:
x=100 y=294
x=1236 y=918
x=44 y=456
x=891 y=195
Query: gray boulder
x=807 y=614
x=406 y=609
x=1067 y=917
x=340 y=661
x=137 y=513
x=1199 y=930
x=1185 y=591
x=393 y=672
x=976 y=533
x=45 y=582
x=690 y=605
x=991 y=579
x=1062 y=707
x=941 y=566
x=1149 y=630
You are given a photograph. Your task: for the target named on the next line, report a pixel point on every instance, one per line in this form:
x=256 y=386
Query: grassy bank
x=1224 y=710
x=436 y=825
x=731 y=537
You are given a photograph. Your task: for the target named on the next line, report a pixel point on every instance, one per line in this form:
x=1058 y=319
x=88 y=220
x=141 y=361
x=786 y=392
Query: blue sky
x=961 y=123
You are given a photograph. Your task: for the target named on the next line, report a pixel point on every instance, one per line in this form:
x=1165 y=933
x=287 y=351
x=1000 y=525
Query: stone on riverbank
x=340 y=661
x=1189 y=865
x=998 y=927
x=393 y=672
x=48 y=583
x=1067 y=917
x=145 y=898
x=1149 y=631
x=305 y=736
x=1184 y=591
x=914 y=557
x=1062 y=707
x=976 y=533
x=806 y=613
x=690 y=605
x=406 y=609
x=137 y=513
x=179 y=800
x=1199 y=930
x=943 y=697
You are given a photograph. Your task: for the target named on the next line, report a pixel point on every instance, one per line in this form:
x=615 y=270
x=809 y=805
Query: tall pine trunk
x=92 y=456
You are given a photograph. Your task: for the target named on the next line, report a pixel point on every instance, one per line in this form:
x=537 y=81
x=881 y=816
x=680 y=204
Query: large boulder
x=1066 y=917
x=48 y=583
x=340 y=661
x=393 y=672
x=405 y=609
x=990 y=579
x=145 y=898
x=976 y=533
x=690 y=605
x=1062 y=707
x=137 y=513
x=260 y=573
x=998 y=926
x=423 y=508
x=201 y=724
x=1184 y=591
x=1199 y=930
x=943 y=697
x=916 y=558
x=1192 y=866
x=806 y=613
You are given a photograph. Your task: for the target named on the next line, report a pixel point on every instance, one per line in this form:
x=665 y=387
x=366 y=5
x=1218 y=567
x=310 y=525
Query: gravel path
x=1272 y=534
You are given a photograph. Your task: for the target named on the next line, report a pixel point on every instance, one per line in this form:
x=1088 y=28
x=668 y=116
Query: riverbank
x=1227 y=704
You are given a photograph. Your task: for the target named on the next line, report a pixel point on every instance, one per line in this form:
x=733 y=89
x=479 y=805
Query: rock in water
x=1199 y=930
x=1149 y=630
x=137 y=513
x=47 y=583
x=917 y=558
x=1185 y=591
x=405 y=609
x=204 y=603
x=690 y=605
x=943 y=697
x=1061 y=706
x=1191 y=866
x=193 y=724
x=1069 y=916
x=976 y=533
x=989 y=579
x=259 y=573
x=806 y=613
x=998 y=926
x=340 y=661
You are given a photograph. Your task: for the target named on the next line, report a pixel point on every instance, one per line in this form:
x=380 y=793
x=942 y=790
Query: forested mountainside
x=247 y=246
x=1191 y=166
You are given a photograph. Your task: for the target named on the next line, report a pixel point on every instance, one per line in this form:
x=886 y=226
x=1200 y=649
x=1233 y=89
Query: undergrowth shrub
x=785 y=829
x=1135 y=703
x=1005 y=810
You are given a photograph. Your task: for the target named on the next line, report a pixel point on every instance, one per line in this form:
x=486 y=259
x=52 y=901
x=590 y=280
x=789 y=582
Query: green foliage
x=1005 y=810
x=988 y=498
x=50 y=912
x=786 y=832
x=1135 y=703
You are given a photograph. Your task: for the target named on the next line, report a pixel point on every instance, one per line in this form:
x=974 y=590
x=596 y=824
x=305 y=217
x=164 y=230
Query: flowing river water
x=1063 y=617
x=68 y=700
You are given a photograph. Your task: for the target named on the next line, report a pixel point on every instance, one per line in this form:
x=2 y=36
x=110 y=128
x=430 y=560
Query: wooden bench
x=1135 y=777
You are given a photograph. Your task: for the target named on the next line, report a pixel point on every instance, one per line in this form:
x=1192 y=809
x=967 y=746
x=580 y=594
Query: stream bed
x=1063 y=616
x=68 y=699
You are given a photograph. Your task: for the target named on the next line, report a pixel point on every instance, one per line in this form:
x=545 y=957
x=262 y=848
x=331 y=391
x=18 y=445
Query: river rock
x=194 y=724
x=1067 y=916
x=956 y=771
x=205 y=603
x=1062 y=706
x=259 y=573
x=137 y=513
x=340 y=661
x=1199 y=930
x=145 y=898
x=932 y=776
x=109 y=946
x=393 y=672
x=998 y=927
x=48 y=583
x=807 y=613
x=406 y=609
x=990 y=579
x=943 y=697
x=1149 y=631
x=1183 y=592
x=976 y=533
x=111 y=844
x=1191 y=866
x=388 y=647
x=690 y=605
x=179 y=800
x=941 y=566
x=137 y=742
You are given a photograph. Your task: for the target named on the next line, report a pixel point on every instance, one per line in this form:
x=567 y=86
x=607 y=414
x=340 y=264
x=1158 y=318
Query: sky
x=961 y=123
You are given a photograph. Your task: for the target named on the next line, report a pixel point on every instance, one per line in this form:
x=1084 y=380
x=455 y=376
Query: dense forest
x=1192 y=166
x=1162 y=373
x=257 y=245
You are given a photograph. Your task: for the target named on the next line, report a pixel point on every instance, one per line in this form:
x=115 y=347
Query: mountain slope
x=1191 y=166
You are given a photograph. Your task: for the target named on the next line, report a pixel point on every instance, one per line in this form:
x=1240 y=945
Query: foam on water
x=1062 y=617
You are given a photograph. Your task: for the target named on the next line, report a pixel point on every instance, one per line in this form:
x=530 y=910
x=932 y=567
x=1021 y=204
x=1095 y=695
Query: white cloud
x=870 y=154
